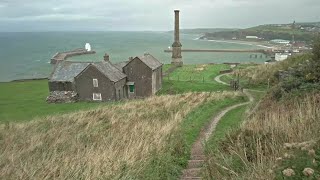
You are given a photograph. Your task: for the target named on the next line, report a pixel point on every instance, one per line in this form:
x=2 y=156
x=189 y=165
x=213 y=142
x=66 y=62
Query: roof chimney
x=146 y=54
x=130 y=58
x=106 y=57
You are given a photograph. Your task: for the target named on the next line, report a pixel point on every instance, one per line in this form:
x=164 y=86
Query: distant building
x=281 y=56
x=299 y=44
x=252 y=37
x=104 y=81
x=280 y=41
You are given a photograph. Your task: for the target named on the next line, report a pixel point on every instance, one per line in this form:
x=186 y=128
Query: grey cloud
x=150 y=15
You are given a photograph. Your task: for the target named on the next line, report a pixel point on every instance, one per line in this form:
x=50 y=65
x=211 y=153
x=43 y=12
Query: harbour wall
x=61 y=56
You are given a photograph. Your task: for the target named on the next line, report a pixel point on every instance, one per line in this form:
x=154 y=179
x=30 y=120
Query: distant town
x=284 y=40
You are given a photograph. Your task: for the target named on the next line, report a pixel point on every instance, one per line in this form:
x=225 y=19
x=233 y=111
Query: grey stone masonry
x=176 y=46
x=62 y=97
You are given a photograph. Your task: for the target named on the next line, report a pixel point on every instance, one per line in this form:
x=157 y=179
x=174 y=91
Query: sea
x=26 y=55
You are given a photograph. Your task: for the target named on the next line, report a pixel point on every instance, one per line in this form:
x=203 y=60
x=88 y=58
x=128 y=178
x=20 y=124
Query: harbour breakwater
x=61 y=56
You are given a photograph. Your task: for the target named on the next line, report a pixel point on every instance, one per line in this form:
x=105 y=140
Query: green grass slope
x=22 y=101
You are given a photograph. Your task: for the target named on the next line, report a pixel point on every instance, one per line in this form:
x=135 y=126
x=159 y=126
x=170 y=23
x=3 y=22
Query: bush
x=298 y=160
x=258 y=75
x=301 y=77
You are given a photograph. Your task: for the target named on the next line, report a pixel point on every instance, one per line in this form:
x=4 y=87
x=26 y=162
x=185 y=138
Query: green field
x=197 y=73
x=23 y=101
x=244 y=83
x=194 y=78
x=165 y=67
x=178 y=87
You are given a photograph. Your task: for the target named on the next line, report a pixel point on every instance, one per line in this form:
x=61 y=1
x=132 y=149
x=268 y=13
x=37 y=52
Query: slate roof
x=66 y=71
x=120 y=65
x=110 y=71
x=150 y=61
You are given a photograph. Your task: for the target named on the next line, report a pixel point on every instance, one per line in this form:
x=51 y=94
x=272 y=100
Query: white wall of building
x=280 y=41
x=252 y=37
x=281 y=57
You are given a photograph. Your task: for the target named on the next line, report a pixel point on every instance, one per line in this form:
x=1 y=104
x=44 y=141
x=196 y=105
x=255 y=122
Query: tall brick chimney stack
x=176 y=46
x=176 y=26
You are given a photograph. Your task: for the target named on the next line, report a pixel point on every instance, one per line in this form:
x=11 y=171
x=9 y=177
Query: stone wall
x=226 y=71
x=62 y=97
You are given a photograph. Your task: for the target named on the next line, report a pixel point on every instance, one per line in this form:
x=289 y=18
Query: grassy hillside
x=280 y=140
x=266 y=28
x=268 y=32
x=22 y=101
x=135 y=139
x=280 y=135
x=204 y=30
x=256 y=75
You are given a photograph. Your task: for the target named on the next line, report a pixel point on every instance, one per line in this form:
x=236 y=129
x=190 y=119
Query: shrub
x=306 y=165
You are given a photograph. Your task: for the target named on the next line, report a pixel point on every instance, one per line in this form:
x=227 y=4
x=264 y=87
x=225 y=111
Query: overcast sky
x=138 y=15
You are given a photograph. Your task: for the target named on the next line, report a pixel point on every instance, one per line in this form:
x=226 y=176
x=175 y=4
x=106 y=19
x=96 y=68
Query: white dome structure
x=88 y=47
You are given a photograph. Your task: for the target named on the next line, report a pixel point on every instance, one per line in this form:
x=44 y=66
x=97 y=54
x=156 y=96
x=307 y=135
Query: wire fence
x=200 y=79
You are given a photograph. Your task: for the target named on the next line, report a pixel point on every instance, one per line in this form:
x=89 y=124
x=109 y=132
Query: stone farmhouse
x=103 y=81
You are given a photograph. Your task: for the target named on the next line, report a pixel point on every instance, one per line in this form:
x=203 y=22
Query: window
x=95 y=82
x=97 y=97
x=131 y=88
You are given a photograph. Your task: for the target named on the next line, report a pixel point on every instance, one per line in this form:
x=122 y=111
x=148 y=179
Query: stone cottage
x=144 y=75
x=104 y=81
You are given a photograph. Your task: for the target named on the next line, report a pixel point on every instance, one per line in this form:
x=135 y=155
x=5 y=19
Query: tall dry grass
x=252 y=151
x=94 y=144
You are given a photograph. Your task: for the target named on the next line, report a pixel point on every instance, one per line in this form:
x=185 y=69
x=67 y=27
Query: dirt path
x=193 y=170
x=219 y=81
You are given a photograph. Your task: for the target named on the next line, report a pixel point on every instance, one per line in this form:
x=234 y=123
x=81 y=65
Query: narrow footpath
x=219 y=81
x=193 y=170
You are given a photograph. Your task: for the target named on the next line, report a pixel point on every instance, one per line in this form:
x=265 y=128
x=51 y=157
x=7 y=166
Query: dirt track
x=193 y=170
